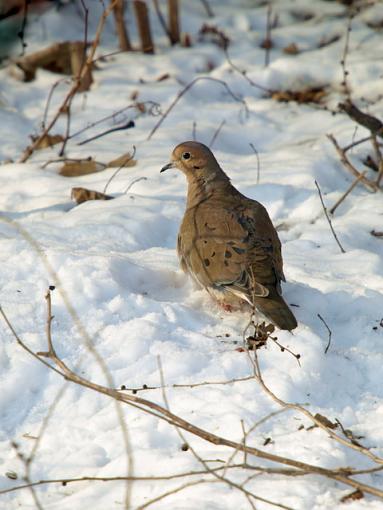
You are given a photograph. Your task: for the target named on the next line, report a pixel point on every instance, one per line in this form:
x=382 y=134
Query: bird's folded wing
x=236 y=248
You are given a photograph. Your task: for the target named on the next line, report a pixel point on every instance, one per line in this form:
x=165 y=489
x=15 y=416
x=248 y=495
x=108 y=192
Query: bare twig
x=161 y=19
x=341 y=475
x=186 y=89
x=267 y=43
x=122 y=32
x=218 y=476
x=75 y=86
x=174 y=23
x=328 y=218
x=208 y=9
x=134 y=182
x=329 y=332
x=26 y=463
x=244 y=74
x=347 y=192
x=143 y=23
x=128 y=158
x=194 y=130
x=371 y=186
x=127 y=125
x=217 y=131
x=344 y=83
x=258 y=162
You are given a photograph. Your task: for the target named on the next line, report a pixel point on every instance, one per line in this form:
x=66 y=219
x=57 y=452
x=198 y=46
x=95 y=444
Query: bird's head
x=195 y=160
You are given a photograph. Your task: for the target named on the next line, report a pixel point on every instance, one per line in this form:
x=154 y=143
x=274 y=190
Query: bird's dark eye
x=186 y=155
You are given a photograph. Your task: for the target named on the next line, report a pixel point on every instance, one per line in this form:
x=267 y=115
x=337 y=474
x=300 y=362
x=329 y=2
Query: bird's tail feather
x=275 y=308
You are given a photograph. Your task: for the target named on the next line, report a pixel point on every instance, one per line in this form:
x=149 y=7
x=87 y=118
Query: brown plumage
x=227 y=241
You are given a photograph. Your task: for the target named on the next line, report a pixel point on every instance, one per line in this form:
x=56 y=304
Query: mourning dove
x=227 y=241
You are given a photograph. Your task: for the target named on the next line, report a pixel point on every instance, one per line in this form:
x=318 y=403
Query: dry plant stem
x=344 y=59
x=49 y=98
x=113 y=116
x=219 y=477
x=171 y=492
x=191 y=385
x=161 y=19
x=128 y=125
x=142 y=17
x=128 y=158
x=122 y=32
x=371 y=186
x=174 y=23
x=305 y=412
x=329 y=333
x=84 y=335
x=354 y=144
x=75 y=86
x=244 y=74
x=268 y=35
x=27 y=477
x=194 y=130
x=186 y=89
x=67 y=131
x=215 y=136
x=342 y=475
x=258 y=162
x=133 y=183
x=347 y=192
x=379 y=158
x=208 y=9
x=61 y=481
x=328 y=219
x=75 y=160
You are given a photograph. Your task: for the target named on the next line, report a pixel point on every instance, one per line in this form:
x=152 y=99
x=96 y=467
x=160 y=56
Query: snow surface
x=117 y=264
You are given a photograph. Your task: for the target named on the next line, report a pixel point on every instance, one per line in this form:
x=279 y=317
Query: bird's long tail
x=275 y=308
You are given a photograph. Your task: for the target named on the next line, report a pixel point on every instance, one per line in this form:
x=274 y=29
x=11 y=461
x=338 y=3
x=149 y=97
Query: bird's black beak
x=166 y=167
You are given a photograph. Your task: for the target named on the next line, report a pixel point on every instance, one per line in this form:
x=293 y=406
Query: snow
x=115 y=263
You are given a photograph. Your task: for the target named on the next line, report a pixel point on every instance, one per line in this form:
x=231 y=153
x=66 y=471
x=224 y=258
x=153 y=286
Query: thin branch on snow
x=126 y=160
x=345 y=84
x=328 y=219
x=329 y=333
x=341 y=474
x=244 y=74
x=27 y=472
x=75 y=86
x=220 y=478
x=370 y=185
x=186 y=89
x=347 y=192
x=258 y=162
x=217 y=132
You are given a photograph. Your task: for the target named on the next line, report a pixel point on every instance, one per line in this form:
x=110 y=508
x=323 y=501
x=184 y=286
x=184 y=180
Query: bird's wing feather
x=235 y=247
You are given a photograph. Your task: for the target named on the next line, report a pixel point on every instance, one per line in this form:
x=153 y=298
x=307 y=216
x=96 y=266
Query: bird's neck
x=201 y=188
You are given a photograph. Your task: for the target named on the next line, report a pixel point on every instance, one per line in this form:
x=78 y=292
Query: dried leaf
x=291 y=49
x=313 y=95
x=81 y=195
x=78 y=168
x=12 y=475
x=123 y=161
x=353 y=496
x=47 y=140
x=325 y=421
x=163 y=77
